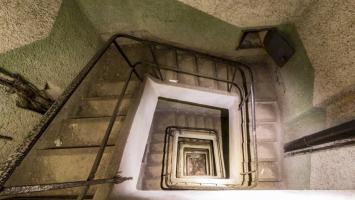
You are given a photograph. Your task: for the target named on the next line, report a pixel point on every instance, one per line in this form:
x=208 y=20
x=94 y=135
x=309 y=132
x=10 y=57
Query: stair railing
x=246 y=94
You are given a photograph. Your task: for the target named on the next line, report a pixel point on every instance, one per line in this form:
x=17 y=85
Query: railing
x=337 y=136
x=246 y=93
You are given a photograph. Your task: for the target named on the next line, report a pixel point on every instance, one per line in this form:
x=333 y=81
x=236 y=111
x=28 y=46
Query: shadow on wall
x=57 y=58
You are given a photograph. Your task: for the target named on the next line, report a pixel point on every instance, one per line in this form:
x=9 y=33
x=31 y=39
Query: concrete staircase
x=68 y=148
x=154 y=153
x=268 y=126
x=267 y=117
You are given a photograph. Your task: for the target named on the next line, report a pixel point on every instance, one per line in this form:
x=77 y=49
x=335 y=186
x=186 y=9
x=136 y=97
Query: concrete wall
x=316 y=87
x=56 y=59
x=251 y=13
x=325 y=27
x=295 y=78
x=327 y=31
x=167 y=20
x=25 y=21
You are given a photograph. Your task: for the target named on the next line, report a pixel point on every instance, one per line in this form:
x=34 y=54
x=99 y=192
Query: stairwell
x=68 y=148
x=267 y=118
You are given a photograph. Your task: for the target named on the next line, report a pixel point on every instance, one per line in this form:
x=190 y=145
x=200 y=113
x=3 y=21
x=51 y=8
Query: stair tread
x=267 y=151
x=101 y=106
x=152 y=184
x=153 y=171
x=59 y=165
x=269 y=171
x=112 y=88
x=155 y=157
x=81 y=132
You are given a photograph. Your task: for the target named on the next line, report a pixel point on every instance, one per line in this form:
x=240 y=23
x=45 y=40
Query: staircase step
x=152 y=184
x=59 y=165
x=209 y=122
x=155 y=158
x=268 y=186
x=185 y=109
x=101 y=106
x=187 y=64
x=264 y=91
x=207 y=68
x=157 y=147
x=222 y=74
x=267 y=151
x=158 y=137
x=269 y=171
x=267 y=132
x=112 y=88
x=113 y=66
x=181 y=119
x=266 y=111
x=82 y=132
x=165 y=119
x=153 y=171
x=167 y=58
x=200 y=122
x=262 y=73
x=217 y=125
x=191 y=120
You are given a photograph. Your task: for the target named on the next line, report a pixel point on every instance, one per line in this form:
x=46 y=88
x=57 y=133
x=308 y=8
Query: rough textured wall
x=327 y=31
x=253 y=13
x=333 y=169
x=296 y=78
x=341 y=110
x=25 y=21
x=325 y=27
x=167 y=20
x=110 y=16
x=57 y=59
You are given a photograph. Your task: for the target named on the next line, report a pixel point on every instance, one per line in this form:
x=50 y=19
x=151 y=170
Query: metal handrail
x=246 y=97
x=49 y=116
x=38 y=131
x=169 y=68
x=104 y=141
